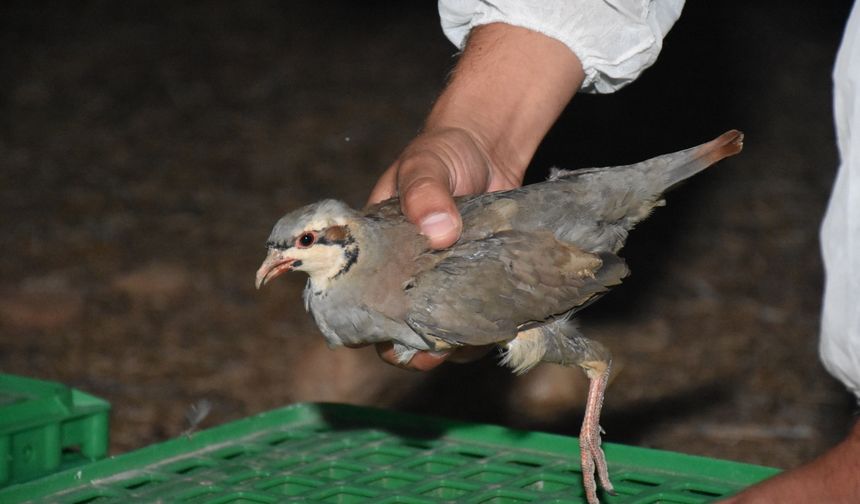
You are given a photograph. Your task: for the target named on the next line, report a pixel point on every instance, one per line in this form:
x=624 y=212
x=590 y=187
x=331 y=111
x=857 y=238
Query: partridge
x=528 y=259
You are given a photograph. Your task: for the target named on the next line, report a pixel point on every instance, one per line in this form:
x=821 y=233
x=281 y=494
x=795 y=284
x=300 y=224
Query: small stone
x=41 y=302
x=157 y=282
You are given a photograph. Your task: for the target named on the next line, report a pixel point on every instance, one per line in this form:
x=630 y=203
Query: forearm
x=506 y=91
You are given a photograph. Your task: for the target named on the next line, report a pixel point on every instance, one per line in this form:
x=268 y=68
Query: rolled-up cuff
x=614 y=40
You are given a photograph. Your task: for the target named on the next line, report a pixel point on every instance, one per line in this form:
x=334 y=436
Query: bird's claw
x=593 y=462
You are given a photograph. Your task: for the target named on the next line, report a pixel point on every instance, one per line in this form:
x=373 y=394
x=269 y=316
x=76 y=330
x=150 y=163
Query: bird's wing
x=388 y=209
x=484 y=290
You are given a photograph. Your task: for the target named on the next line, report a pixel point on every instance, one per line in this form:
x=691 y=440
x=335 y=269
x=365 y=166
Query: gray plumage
x=527 y=260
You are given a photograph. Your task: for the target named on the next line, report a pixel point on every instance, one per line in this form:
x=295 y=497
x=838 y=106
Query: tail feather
x=684 y=164
x=662 y=172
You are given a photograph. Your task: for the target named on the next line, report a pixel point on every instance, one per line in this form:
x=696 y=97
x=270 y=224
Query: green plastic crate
x=347 y=454
x=46 y=427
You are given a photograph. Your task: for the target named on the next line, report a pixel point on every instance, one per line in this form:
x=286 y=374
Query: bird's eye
x=306 y=240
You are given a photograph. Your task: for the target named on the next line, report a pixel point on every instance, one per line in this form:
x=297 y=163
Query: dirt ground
x=148 y=147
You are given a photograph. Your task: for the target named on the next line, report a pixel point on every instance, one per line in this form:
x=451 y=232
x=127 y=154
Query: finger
x=426 y=201
x=385 y=188
x=421 y=361
x=425 y=361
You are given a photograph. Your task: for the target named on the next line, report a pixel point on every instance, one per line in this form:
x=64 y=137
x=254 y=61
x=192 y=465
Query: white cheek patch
x=321 y=262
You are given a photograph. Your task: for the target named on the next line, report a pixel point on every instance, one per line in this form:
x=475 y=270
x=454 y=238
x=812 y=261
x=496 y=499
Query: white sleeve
x=840 y=232
x=614 y=39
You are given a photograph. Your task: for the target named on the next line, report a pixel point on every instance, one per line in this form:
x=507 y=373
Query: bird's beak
x=274 y=264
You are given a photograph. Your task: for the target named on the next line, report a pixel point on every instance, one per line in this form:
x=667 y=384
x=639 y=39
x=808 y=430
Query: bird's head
x=316 y=239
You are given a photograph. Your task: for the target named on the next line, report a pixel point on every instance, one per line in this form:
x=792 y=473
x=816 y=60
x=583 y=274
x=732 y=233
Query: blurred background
x=146 y=149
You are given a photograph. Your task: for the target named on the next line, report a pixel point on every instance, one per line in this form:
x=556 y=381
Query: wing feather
x=482 y=291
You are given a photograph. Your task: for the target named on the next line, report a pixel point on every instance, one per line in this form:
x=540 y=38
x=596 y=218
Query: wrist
x=505 y=93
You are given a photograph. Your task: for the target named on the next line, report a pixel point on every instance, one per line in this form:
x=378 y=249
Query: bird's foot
x=591 y=454
x=593 y=463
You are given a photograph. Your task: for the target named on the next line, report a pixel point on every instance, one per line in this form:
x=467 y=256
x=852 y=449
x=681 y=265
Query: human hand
x=425 y=361
x=508 y=88
x=433 y=168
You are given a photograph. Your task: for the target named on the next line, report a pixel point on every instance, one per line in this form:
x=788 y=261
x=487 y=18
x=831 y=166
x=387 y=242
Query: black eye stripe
x=277 y=245
x=321 y=239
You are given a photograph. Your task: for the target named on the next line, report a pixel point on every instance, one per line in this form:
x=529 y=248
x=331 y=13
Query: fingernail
x=439 y=355
x=437 y=225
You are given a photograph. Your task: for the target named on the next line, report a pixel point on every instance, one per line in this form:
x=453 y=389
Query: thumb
x=426 y=201
x=385 y=188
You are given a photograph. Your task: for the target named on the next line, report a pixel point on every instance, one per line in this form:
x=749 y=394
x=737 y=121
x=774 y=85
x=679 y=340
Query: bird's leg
x=591 y=453
x=559 y=342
